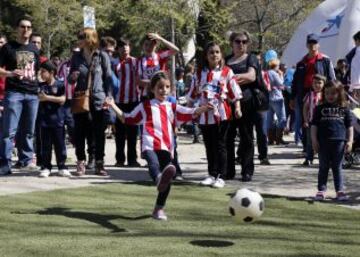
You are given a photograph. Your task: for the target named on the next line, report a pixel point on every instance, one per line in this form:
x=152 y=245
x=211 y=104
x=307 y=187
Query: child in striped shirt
x=311 y=100
x=159 y=118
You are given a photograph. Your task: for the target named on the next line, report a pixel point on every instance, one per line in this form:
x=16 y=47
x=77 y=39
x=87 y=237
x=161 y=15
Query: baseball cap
x=312 y=38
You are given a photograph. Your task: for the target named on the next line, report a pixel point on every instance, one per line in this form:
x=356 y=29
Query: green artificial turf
x=113 y=220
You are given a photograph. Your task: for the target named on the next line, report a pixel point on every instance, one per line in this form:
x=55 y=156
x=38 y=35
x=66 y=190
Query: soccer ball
x=246 y=206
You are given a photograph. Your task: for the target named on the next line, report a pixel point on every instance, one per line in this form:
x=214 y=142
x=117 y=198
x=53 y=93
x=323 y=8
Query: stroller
x=353 y=158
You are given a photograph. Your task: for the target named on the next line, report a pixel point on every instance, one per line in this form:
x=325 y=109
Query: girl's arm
x=349 y=139
x=314 y=140
x=119 y=113
x=305 y=114
x=168 y=44
x=54 y=99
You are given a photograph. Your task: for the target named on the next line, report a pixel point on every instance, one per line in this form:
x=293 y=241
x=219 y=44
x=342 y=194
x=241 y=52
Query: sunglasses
x=244 y=42
x=25 y=27
x=312 y=42
x=81 y=37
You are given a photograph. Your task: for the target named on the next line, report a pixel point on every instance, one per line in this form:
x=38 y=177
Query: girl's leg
x=164 y=159
x=309 y=149
x=324 y=166
x=153 y=164
x=221 y=149
x=337 y=157
x=208 y=132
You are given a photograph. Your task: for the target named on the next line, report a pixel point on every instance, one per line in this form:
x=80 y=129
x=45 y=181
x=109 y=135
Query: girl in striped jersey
x=159 y=118
x=215 y=84
x=311 y=100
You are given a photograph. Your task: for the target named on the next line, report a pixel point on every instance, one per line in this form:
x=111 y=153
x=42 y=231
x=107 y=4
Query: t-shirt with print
x=332 y=122
x=52 y=114
x=14 y=55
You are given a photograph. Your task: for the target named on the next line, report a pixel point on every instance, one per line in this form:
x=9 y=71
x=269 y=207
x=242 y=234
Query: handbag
x=81 y=100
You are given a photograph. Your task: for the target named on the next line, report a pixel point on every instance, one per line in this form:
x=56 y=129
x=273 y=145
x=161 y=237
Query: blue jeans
x=261 y=134
x=331 y=155
x=17 y=105
x=309 y=148
x=298 y=121
x=277 y=108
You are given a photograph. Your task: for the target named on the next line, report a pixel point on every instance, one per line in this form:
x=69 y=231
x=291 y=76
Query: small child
x=332 y=136
x=159 y=118
x=51 y=115
x=311 y=100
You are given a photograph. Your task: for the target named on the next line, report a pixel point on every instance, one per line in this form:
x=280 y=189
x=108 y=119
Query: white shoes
x=64 y=173
x=30 y=167
x=213 y=182
x=44 y=173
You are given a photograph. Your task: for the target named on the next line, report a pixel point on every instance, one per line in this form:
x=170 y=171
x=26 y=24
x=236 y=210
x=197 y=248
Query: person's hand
x=306 y=125
x=74 y=75
x=238 y=113
x=154 y=36
x=203 y=108
x=42 y=97
x=292 y=105
x=315 y=145
x=348 y=146
x=16 y=73
x=109 y=102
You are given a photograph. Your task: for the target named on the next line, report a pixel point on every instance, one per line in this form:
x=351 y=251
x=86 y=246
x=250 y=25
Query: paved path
x=285 y=177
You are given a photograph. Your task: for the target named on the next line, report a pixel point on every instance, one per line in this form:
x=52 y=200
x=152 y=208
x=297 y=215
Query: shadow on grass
x=100 y=219
x=212 y=243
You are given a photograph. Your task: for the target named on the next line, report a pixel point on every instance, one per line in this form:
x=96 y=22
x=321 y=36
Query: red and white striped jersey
x=313 y=99
x=159 y=120
x=217 y=87
x=149 y=65
x=63 y=73
x=126 y=73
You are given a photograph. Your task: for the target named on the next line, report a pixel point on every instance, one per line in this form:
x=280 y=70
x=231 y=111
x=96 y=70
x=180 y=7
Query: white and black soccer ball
x=246 y=206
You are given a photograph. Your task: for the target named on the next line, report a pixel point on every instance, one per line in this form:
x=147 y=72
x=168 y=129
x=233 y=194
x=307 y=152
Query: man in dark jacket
x=349 y=58
x=313 y=63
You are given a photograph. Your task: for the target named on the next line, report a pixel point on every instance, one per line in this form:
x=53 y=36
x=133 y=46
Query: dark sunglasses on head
x=238 y=41
x=81 y=37
x=25 y=27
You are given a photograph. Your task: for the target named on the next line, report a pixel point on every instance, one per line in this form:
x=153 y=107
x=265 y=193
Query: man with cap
x=314 y=62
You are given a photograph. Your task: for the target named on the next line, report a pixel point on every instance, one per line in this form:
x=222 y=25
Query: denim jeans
x=17 y=105
x=277 y=108
x=53 y=137
x=157 y=161
x=331 y=155
x=261 y=134
x=298 y=120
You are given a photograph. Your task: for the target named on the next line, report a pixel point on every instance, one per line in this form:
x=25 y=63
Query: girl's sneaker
x=341 y=196
x=320 y=196
x=80 y=168
x=219 y=183
x=159 y=214
x=64 y=173
x=166 y=177
x=44 y=173
x=209 y=181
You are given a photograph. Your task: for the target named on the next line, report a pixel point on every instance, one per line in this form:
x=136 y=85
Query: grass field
x=113 y=220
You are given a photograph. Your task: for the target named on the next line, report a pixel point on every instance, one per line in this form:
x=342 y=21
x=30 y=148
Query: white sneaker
x=209 y=181
x=44 y=173
x=64 y=173
x=30 y=167
x=219 y=183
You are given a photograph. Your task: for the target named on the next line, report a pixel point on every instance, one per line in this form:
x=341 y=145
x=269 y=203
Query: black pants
x=215 y=144
x=69 y=121
x=126 y=133
x=99 y=125
x=245 y=150
x=53 y=137
x=157 y=161
x=83 y=130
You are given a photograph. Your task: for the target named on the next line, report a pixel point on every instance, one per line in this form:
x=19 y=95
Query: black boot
x=279 y=137
x=91 y=163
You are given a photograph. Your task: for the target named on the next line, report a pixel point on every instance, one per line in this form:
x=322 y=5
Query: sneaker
x=4 y=171
x=64 y=173
x=100 y=170
x=246 y=178
x=320 y=196
x=30 y=167
x=307 y=163
x=265 y=162
x=17 y=166
x=209 y=181
x=179 y=178
x=341 y=196
x=44 y=173
x=166 y=177
x=159 y=214
x=219 y=183
x=80 y=168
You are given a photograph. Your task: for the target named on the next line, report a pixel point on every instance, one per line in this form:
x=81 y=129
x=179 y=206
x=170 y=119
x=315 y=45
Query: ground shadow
x=100 y=219
x=212 y=243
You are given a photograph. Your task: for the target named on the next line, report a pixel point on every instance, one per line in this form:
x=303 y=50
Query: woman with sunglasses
x=90 y=69
x=214 y=84
x=245 y=67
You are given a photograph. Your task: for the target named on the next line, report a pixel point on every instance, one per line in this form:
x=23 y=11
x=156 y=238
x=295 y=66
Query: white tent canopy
x=335 y=21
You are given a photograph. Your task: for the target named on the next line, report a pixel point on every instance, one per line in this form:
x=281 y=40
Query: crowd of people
x=220 y=97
